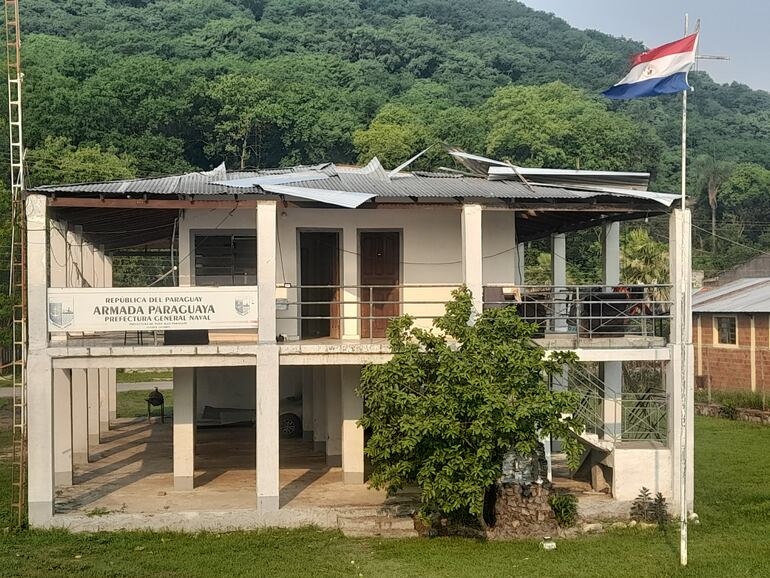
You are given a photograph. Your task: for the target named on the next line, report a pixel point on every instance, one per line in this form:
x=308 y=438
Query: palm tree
x=644 y=261
x=711 y=174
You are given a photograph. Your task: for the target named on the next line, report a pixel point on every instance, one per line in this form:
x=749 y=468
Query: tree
x=396 y=134
x=711 y=174
x=452 y=401
x=745 y=194
x=59 y=161
x=643 y=260
x=558 y=126
x=249 y=115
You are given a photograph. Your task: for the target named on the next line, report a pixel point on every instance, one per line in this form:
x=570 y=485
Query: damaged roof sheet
x=327 y=182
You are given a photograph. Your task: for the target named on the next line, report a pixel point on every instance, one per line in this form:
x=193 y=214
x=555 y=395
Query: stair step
x=383 y=526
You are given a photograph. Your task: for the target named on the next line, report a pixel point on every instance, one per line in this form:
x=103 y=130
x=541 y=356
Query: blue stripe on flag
x=652 y=87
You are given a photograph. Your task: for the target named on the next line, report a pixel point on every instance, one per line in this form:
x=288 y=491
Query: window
x=225 y=260
x=726 y=330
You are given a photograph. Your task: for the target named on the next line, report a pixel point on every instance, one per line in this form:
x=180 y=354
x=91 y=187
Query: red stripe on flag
x=686 y=44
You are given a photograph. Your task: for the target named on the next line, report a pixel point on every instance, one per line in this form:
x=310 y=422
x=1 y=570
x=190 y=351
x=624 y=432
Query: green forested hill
x=155 y=86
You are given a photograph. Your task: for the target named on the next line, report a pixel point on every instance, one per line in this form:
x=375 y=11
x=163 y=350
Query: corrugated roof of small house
x=751 y=295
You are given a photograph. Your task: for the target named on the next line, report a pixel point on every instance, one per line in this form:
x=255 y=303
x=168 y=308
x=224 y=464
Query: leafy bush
x=640 y=508
x=645 y=508
x=452 y=401
x=565 y=508
x=728 y=411
x=739 y=399
x=659 y=512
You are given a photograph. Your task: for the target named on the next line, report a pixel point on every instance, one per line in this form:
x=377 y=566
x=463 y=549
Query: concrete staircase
x=386 y=522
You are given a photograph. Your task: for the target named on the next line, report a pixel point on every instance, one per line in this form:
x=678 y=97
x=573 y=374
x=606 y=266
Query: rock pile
x=522 y=511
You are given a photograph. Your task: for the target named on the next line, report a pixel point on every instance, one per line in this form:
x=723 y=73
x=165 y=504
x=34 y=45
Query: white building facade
x=316 y=260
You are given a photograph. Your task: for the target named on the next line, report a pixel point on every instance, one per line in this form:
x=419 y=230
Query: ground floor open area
x=732 y=461
x=129 y=483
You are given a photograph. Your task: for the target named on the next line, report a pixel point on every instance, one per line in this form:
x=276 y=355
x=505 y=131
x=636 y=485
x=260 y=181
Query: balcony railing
x=358 y=310
x=588 y=312
x=583 y=314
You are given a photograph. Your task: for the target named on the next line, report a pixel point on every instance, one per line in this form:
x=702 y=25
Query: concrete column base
x=93 y=439
x=40 y=514
x=62 y=478
x=319 y=447
x=184 y=483
x=353 y=478
x=79 y=459
x=334 y=460
x=268 y=504
x=307 y=435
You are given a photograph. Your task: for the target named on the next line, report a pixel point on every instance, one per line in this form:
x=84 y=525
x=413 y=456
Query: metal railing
x=581 y=312
x=587 y=312
x=617 y=418
x=360 y=310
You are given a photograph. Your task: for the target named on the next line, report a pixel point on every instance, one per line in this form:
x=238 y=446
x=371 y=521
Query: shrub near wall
x=741 y=414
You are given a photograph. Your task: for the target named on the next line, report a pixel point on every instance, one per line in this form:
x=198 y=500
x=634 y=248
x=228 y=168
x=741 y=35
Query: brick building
x=730 y=334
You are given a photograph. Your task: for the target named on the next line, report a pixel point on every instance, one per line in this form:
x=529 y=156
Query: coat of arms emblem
x=243 y=305
x=61 y=313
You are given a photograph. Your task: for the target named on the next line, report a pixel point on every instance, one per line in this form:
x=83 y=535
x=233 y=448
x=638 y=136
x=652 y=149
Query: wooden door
x=319 y=267
x=380 y=266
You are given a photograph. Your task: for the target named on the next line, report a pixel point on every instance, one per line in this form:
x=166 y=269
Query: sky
x=734 y=28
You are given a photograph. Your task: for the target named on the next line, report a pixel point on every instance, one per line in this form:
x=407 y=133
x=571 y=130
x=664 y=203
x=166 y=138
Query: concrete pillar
x=62 y=423
x=79 y=417
x=350 y=279
x=518 y=265
x=333 y=416
x=319 y=409
x=112 y=383
x=472 y=256
x=58 y=250
x=88 y=264
x=74 y=257
x=679 y=375
x=104 y=402
x=184 y=428
x=92 y=379
x=352 y=433
x=521 y=277
x=267 y=395
x=98 y=280
x=611 y=373
x=307 y=404
x=611 y=254
x=559 y=281
x=40 y=453
x=268 y=439
x=112 y=394
x=266 y=246
x=57 y=238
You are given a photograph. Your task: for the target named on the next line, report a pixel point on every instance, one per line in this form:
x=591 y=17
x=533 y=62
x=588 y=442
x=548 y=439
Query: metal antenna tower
x=17 y=285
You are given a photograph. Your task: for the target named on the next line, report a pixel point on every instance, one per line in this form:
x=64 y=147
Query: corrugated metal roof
x=741 y=296
x=368 y=180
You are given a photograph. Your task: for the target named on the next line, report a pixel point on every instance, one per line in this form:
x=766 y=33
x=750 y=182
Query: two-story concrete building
x=284 y=283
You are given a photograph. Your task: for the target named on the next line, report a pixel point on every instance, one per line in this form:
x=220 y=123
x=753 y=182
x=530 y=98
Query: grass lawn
x=141 y=376
x=732 y=499
x=133 y=404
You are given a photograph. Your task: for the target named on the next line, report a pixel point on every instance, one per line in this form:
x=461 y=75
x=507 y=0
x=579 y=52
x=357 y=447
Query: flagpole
x=683 y=324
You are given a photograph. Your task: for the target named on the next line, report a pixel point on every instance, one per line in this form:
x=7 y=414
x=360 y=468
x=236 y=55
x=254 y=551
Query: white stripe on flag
x=660 y=67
